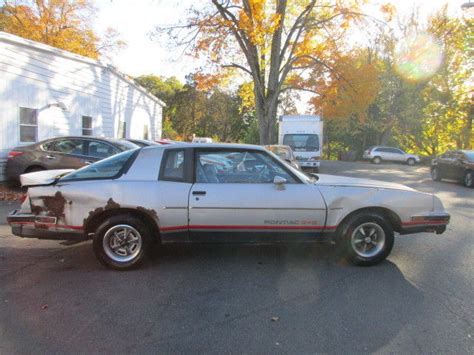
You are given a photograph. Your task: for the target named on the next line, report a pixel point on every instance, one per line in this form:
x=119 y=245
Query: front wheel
x=366 y=239
x=469 y=179
x=411 y=161
x=121 y=242
x=377 y=160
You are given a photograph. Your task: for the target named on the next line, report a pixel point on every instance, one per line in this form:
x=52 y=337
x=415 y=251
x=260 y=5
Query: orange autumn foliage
x=348 y=90
x=64 y=24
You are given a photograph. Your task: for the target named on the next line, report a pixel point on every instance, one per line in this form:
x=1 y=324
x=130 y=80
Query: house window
x=28 y=125
x=145 y=132
x=86 y=126
x=122 y=131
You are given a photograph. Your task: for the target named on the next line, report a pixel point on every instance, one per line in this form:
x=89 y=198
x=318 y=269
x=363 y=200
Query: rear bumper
x=434 y=222
x=309 y=164
x=30 y=226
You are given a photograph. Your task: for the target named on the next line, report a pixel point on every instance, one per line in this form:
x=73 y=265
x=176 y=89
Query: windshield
x=307 y=178
x=281 y=151
x=302 y=142
x=108 y=168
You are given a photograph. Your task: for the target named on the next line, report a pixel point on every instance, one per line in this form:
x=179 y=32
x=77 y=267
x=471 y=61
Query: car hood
x=333 y=180
x=44 y=177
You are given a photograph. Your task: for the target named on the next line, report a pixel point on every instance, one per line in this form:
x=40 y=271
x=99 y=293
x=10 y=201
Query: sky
x=136 y=20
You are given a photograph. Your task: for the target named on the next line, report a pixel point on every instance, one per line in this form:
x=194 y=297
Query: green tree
x=165 y=89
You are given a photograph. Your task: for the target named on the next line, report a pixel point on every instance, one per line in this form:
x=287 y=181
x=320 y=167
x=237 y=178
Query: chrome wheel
x=368 y=239
x=122 y=243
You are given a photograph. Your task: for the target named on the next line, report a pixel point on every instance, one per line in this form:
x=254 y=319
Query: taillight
x=14 y=154
x=23 y=197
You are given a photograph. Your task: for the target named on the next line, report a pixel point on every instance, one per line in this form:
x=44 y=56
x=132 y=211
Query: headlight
x=315 y=158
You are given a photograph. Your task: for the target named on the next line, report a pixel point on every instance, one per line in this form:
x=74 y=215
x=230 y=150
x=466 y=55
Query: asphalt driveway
x=252 y=299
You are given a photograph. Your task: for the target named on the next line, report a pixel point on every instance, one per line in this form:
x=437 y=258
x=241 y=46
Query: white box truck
x=304 y=134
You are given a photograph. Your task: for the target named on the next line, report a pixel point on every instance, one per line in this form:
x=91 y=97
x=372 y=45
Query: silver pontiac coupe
x=217 y=193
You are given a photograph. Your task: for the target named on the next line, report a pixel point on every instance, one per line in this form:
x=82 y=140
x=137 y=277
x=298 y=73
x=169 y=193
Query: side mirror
x=278 y=180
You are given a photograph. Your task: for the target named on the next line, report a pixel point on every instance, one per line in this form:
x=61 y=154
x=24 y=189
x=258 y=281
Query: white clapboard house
x=47 y=92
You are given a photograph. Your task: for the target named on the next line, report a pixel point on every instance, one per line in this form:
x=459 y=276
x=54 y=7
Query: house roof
x=7 y=37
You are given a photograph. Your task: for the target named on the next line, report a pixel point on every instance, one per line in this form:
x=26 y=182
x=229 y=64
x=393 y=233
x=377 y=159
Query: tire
x=435 y=175
x=411 y=161
x=353 y=242
x=377 y=160
x=469 y=179
x=108 y=238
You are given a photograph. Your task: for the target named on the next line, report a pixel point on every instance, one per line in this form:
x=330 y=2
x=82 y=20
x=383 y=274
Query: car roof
x=112 y=140
x=207 y=145
x=278 y=146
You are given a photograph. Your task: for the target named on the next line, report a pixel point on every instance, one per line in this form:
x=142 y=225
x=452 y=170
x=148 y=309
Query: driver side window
x=238 y=167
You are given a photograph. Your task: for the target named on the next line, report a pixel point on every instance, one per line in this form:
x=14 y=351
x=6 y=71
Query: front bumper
x=27 y=225
x=434 y=222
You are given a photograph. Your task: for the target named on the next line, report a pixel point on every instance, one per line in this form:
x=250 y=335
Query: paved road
x=264 y=299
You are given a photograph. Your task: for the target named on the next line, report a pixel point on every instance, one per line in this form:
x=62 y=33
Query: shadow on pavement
x=205 y=297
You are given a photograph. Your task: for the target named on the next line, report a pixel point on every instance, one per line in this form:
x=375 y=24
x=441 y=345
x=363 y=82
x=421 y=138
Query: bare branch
x=238 y=66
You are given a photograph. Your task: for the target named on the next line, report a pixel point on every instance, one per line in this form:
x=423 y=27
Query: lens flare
x=418 y=57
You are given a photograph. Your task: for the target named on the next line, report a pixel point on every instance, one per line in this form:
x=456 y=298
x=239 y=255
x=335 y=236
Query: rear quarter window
x=173 y=165
x=109 y=168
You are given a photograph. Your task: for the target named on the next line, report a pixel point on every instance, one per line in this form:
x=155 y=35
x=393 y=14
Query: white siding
x=34 y=75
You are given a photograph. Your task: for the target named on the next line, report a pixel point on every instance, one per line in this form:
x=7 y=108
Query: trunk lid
x=45 y=177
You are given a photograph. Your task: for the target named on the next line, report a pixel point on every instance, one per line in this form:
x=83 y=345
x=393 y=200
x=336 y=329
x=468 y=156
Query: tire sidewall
x=411 y=161
x=377 y=160
x=109 y=223
x=471 y=174
x=352 y=224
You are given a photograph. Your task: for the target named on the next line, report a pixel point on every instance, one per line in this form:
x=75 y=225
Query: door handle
x=201 y=193
x=50 y=157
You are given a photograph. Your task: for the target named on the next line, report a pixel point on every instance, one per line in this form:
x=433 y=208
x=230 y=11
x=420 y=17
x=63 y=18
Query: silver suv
x=378 y=153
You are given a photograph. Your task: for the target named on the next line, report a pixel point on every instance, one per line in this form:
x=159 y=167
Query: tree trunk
x=266 y=110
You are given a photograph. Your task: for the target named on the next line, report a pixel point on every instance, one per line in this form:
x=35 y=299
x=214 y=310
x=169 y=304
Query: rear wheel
x=469 y=179
x=411 y=161
x=122 y=242
x=377 y=160
x=366 y=239
x=435 y=175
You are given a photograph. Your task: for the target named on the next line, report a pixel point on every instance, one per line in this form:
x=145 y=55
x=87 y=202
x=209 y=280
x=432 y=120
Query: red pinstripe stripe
x=174 y=228
x=230 y=227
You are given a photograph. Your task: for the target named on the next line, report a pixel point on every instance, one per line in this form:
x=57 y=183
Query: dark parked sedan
x=62 y=153
x=455 y=165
